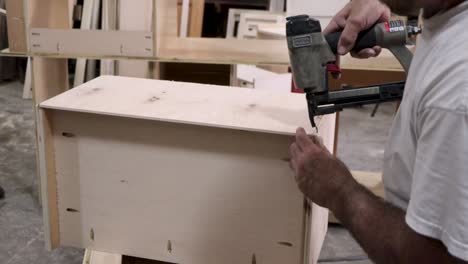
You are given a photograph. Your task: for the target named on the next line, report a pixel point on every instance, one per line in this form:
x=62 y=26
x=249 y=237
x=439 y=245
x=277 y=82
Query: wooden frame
x=240 y=202
x=168 y=47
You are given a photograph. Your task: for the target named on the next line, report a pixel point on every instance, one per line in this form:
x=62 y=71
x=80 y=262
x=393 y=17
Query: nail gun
x=312 y=53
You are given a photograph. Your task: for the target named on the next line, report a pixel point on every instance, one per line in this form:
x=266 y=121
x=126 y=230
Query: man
x=425 y=218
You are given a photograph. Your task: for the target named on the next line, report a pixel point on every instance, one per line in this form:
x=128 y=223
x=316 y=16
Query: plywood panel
x=188 y=103
x=214 y=195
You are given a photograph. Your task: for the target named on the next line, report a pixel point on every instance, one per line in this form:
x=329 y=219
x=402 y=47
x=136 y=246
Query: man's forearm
x=381 y=230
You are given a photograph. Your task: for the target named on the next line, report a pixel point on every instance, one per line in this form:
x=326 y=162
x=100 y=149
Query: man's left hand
x=323 y=178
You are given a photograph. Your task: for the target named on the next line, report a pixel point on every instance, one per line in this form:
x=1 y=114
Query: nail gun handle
x=365 y=39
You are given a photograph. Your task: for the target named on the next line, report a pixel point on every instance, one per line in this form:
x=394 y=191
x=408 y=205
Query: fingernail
x=341 y=50
x=371 y=53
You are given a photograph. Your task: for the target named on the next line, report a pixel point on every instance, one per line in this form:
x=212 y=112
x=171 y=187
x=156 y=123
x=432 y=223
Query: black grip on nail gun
x=366 y=39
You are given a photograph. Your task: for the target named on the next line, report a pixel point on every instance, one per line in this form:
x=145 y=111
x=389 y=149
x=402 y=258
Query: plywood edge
x=226 y=51
x=264 y=125
x=276 y=132
x=48 y=179
x=318 y=219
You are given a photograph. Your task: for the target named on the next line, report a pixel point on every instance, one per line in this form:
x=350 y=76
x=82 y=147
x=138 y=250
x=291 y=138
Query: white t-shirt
x=426 y=158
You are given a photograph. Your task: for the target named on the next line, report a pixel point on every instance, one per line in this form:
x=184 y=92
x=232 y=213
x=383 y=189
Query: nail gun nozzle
x=413 y=30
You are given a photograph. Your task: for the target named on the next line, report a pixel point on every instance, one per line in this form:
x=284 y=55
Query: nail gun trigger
x=334 y=70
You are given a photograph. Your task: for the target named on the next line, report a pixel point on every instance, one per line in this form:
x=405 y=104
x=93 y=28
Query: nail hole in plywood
x=68 y=135
x=287 y=244
x=91 y=234
x=169 y=246
x=154 y=99
x=71 y=210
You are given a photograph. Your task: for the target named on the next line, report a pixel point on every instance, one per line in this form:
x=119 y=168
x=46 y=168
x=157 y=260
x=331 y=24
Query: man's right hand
x=355 y=17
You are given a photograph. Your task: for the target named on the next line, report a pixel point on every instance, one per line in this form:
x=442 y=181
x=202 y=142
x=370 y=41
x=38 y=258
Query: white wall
x=323 y=10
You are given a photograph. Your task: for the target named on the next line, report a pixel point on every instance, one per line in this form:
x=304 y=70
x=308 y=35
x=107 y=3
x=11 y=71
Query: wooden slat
x=109 y=22
x=197 y=12
x=16 y=23
x=134 y=17
x=80 y=69
x=91 y=42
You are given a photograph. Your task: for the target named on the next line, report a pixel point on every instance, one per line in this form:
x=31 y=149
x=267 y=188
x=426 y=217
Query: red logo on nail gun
x=387 y=27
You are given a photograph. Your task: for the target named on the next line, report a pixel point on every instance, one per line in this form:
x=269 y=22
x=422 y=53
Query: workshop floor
x=361 y=145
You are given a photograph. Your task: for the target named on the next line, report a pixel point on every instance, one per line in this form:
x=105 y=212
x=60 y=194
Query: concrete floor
x=361 y=145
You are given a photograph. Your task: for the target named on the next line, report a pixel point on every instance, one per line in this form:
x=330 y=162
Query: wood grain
x=188 y=103
x=215 y=195
x=182 y=172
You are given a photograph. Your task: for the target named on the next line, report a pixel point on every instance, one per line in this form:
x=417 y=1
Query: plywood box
x=178 y=172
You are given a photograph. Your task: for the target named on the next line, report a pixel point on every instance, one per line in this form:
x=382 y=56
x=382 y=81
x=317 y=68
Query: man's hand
x=321 y=177
x=355 y=17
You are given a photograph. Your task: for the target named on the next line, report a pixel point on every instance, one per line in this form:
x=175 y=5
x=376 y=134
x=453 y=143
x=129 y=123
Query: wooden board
x=91 y=42
x=187 y=103
x=134 y=17
x=180 y=172
x=108 y=22
x=16 y=23
x=195 y=17
x=50 y=77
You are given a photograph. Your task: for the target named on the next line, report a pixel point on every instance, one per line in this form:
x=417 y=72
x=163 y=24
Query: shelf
x=8 y=53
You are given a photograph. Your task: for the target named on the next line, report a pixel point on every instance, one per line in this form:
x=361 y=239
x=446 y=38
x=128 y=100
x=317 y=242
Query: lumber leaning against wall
x=199 y=171
x=16 y=26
